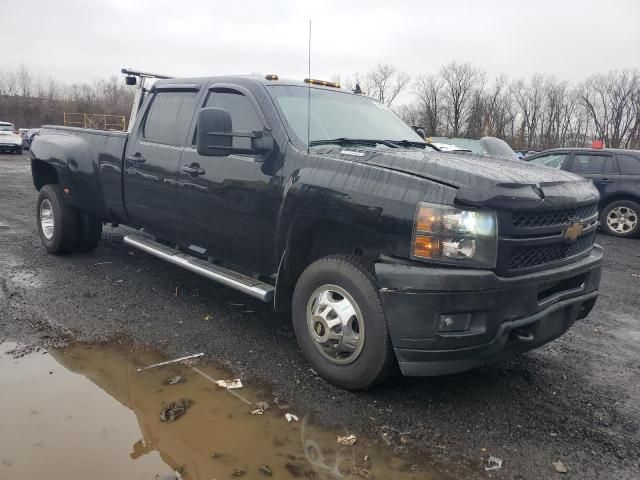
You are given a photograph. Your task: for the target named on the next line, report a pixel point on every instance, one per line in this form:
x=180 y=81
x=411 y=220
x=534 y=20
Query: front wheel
x=339 y=322
x=621 y=218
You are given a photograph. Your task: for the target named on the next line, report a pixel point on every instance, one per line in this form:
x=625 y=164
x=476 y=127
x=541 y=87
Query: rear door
x=232 y=202
x=152 y=159
x=629 y=166
x=600 y=167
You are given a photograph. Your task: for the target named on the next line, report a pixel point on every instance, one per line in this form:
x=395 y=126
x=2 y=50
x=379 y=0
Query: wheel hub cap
x=335 y=324
x=622 y=219
x=46 y=219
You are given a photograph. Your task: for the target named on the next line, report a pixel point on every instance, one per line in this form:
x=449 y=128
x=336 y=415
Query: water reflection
x=217 y=437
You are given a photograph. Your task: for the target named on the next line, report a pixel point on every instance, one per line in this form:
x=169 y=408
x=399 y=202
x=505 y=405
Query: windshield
x=339 y=115
x=6 y=127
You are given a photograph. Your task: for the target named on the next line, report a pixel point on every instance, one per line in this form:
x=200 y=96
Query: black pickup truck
x=388 y=252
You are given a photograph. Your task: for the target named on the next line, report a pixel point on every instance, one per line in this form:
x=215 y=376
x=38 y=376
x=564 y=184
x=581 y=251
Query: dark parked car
x=616 y=174
x=387 y=251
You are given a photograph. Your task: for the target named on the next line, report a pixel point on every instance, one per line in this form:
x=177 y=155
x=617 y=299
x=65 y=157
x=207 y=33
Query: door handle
x=136 y=158
x=604 y=180
x=193 y=170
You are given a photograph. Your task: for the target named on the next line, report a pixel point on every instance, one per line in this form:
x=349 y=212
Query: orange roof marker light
x=271 y=76
x=323 y=83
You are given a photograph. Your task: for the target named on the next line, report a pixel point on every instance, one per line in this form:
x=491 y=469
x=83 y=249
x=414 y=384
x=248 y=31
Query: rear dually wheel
x=56 y=221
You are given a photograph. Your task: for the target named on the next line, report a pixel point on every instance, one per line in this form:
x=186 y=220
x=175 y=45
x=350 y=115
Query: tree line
x=29 y=100
x=458 y=100
x=531 y=114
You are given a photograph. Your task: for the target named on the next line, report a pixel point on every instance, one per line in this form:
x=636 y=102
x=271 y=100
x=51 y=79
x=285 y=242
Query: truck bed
x=94 y=159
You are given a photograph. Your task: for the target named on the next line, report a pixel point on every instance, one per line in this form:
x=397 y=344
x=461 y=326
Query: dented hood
x=481 y=180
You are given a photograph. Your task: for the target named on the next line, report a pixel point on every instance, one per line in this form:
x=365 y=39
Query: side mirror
x=420 y=131
x=215 y=135
x=130 y=80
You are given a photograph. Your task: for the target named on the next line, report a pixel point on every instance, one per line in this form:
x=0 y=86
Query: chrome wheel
x=46 y=219
x=622 y=220
x=335 y=323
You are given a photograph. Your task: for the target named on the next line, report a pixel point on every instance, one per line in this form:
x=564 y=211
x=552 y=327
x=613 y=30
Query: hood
x=480 y=180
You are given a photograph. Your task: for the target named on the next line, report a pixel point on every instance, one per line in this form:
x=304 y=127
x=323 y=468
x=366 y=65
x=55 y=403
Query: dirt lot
x=576 y=400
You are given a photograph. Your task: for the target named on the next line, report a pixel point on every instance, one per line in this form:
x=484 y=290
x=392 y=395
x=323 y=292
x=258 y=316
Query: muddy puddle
x=86 y=411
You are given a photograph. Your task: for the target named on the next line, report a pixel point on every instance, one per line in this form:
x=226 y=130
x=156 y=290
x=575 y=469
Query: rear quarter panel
x=89 y=163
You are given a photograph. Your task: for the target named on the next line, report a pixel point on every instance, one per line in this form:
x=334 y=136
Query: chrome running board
x=229 y=278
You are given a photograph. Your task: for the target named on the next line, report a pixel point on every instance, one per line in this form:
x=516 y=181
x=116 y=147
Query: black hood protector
x=481 y=180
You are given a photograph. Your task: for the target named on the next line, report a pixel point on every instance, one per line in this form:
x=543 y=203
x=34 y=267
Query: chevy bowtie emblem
x=573 y=231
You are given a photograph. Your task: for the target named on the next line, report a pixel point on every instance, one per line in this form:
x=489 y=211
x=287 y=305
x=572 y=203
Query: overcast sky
x=82 y=40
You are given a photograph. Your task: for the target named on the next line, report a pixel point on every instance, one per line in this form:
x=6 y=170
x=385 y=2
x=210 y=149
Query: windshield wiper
x=412 y=143
x=353 y=141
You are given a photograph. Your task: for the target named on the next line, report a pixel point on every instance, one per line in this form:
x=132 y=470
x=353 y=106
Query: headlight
x=446 y=234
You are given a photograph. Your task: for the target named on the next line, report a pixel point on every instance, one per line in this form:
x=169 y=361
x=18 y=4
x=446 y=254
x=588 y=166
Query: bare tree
x=28 y=100
x=529 y=97
x=460 y=81
x=410 y=114
x=499 y=112
x=609 y=101
x=428 y=90
x=385 y=83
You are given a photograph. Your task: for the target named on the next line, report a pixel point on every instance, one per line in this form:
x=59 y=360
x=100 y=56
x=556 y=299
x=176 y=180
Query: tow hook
x=522 y=335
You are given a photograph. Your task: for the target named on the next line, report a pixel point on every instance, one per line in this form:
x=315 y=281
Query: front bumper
x=507 y=315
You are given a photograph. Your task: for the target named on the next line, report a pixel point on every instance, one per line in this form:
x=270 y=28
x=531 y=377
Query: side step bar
x=238 y=281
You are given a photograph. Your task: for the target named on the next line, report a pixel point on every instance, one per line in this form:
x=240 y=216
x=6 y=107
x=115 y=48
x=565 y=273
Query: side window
x=583 y=164
x=628 y=164
x=169 y=117
x=555 y=160
x=243 y=115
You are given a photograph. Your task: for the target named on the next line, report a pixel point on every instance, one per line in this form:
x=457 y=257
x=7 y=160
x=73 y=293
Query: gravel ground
x=576 y=400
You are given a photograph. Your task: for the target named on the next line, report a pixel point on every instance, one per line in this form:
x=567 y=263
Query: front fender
x=371 y=198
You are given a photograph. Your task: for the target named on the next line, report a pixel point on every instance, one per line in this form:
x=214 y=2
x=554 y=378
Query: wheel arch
x=43 y=173
x=312 y=238
x=604 y=203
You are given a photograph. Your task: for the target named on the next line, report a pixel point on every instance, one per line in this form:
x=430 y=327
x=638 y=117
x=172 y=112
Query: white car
x=10 y=140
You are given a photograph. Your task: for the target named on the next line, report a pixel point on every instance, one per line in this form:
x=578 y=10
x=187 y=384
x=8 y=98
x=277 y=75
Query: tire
x=60 y=235
x=89 y=232
x=628 y=213
x=19 y=151
x=344 y=276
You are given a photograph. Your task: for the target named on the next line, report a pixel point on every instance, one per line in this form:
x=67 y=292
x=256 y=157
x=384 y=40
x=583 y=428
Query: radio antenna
x=309 y=94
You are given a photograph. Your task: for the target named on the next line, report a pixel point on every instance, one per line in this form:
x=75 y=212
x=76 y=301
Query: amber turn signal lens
x=426 y=247
x=428 y=220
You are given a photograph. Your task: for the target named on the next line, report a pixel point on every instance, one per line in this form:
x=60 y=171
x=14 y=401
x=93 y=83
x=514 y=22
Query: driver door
x=231 y=203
